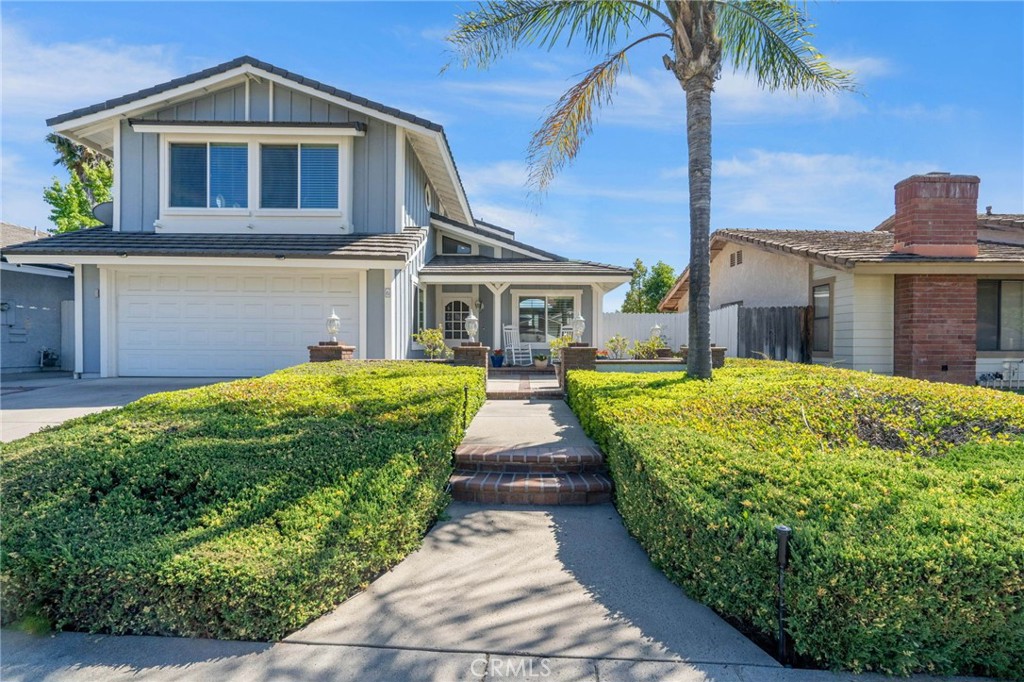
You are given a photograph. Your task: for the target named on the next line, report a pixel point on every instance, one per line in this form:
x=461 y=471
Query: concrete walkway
x=32 y=401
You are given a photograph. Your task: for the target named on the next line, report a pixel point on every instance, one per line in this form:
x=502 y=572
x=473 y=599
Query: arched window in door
x=455 y=313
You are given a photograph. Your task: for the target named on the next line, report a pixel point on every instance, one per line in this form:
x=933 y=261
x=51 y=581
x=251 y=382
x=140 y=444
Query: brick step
x=489 y=487
x=538 y=460
x=540 y=393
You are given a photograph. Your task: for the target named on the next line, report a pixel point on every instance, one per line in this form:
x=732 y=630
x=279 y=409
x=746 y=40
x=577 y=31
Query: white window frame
x=518 y=294
x=255 y=173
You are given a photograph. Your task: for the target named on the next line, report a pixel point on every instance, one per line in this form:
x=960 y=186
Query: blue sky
x=941 y=88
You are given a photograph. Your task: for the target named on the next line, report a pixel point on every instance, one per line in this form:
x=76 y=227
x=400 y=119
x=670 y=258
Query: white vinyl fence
x=674 y=327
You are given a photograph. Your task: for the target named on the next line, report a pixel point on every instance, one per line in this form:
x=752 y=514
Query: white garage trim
x=363 y=298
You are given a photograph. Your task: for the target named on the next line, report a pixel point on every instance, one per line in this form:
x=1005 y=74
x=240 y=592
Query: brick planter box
x=717 y=355
x=329 y=352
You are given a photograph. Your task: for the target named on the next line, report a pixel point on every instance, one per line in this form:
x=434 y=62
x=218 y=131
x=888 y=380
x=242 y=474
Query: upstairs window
x=454 y=247
x=1001 y=315
x=209 y=175
x=299 y=176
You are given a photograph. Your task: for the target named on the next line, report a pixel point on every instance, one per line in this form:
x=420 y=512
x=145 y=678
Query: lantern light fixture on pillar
x=333 y=326
x=579 y=325
x=472 y=326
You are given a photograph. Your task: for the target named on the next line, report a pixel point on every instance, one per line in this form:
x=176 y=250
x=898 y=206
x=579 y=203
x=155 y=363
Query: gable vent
x=735 y=258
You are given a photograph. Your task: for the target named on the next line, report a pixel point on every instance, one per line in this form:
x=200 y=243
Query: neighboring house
x=934 y=292
x=30 y=309
x=250 y=202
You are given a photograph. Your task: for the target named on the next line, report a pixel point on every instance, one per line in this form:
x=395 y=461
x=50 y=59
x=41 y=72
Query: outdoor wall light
x=472 y=326
x=579 y=325
x=333 y=326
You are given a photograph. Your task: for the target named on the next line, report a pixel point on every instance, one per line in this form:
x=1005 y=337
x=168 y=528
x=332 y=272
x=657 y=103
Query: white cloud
x=45 y=79
x=827 y=191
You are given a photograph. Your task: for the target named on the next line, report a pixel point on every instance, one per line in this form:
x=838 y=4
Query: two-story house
x=250 y=202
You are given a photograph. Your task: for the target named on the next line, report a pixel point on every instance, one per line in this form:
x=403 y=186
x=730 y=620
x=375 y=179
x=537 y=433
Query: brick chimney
x=937 y=215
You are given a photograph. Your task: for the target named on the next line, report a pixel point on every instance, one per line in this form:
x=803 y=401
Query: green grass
x=906 y=499
x=241 y=510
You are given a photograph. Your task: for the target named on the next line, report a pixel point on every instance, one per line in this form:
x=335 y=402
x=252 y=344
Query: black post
x=465 y=406
x=782 y=535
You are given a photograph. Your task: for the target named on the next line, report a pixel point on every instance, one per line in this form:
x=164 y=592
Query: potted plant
x=498 y=358
x=540 y=361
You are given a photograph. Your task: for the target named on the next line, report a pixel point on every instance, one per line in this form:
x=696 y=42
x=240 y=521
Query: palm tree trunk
x=698 y=138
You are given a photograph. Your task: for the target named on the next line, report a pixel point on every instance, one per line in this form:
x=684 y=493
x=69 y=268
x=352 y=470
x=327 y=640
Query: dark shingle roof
x=481 y=265
x=848 y=248
x=492 y=235
x=102 y=241
x=234 y=64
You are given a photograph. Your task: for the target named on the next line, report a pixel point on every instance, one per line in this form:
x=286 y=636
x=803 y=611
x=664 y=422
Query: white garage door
x=227 y=321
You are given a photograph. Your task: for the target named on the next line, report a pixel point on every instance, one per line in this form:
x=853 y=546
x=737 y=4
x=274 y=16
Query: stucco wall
x=32 y=318
x=763 y=279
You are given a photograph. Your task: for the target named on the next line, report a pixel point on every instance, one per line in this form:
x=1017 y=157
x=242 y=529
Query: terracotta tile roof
x=102 y=241
x=481 y=265
x=845 y=249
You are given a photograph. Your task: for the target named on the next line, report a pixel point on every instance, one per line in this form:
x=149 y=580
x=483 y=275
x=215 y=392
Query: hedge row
x=906 y=499
x=240 y=510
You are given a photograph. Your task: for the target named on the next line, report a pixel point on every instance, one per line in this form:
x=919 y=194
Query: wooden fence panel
x=782 y=333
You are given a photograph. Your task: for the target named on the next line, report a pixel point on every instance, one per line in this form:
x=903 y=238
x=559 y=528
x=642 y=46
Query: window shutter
x=188 y=176
x=279 y=176
x=319 y=176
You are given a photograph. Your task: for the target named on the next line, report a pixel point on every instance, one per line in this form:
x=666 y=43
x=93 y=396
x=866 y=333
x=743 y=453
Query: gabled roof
x=840 y=249
x=228 y=66
x=427 y=138
x=102 y=241
x=493 y=233
x=481 y=265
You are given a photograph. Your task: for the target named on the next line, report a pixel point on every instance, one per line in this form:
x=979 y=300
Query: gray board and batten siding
x=373 y=178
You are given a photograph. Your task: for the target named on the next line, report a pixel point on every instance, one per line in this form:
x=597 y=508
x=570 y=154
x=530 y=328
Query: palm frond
x=495 y=28
x=769 y=38
x=571 y=119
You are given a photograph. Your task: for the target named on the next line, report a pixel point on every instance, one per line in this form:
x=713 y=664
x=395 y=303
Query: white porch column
x=79 y=322
x=597 y=313
x=497 y=289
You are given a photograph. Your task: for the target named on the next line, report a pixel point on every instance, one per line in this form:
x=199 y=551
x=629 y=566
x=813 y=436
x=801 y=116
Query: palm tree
x=766 y=38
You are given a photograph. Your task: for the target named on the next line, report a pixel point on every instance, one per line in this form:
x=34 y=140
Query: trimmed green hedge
x=906 y=499
x=240 y=510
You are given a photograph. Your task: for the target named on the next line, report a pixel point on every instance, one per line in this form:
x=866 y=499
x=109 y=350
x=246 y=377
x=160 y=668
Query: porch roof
x=469 y=268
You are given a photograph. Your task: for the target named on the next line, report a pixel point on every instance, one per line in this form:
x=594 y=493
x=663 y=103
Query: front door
x=454 y=310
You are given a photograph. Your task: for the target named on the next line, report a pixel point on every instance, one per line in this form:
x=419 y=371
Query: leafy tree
x=92 y=177
x=72 y=202
x=648 y=287
x=768 y=38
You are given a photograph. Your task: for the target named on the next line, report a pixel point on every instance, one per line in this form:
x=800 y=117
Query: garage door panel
x=249 y=322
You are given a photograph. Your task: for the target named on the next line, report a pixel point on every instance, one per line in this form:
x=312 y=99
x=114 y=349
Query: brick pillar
x=576 y=357
x=936 y=327
x=471 y=355
x=327 y=352
x=937 y=215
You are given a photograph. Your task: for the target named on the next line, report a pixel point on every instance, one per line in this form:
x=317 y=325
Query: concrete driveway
x=28 y=402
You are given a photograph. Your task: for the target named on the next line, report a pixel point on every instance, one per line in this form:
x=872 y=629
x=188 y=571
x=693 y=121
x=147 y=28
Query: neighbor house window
x=454 y=247
x=542 y=318
x=822 y=301
x=299 y=176
x=1000 y=315
x=209 y=175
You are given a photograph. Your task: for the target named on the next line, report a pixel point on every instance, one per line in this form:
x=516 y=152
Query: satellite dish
x=104 y=213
